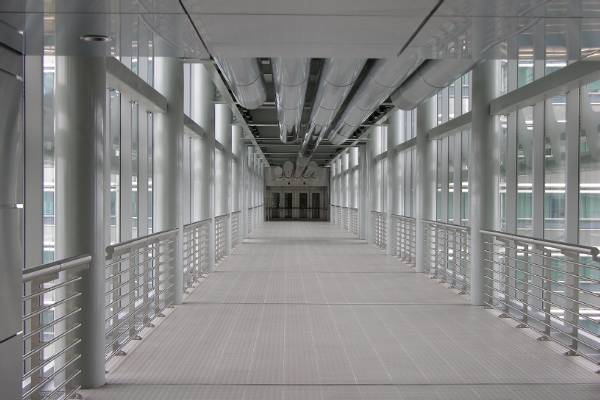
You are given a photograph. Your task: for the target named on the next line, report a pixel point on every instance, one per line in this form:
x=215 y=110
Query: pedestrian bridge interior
x=333 y=199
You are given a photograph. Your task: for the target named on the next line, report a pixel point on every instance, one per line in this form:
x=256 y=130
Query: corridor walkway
x=306 y=311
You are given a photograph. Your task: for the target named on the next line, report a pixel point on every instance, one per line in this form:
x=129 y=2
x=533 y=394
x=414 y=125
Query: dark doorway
x=316 y=205
x=288 y=205
x=303 y=205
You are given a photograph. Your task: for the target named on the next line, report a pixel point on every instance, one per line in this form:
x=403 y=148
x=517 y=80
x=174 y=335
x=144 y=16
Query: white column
x=80 y=139
x=363 y=179
x=223 y=167
x=394 y=132
x=203 y=112
x=168 y=172
x=481 y=173
x=424 y=207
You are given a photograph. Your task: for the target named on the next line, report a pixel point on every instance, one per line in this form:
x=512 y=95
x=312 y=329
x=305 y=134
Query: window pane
x=150 y=172
x=556 y=45
x=48 y=159
x=451 y=150
x=501 y=145
x=464 y=178
x=115 y=164
x=554 y=167
x=525 y=59
x=525 y=171
x=589 y=164
x=134 y=169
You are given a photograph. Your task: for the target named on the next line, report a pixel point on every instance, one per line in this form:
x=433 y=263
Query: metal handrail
x=51 y=340
x=32 y=273
x=405 y=245
x=448 y=225
x=576 y=248
x=140 y=283
x=538 y=283
x=197 y=223
x=124 y=247
x=448 y=253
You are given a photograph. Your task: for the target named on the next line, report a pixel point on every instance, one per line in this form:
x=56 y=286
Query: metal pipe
x=290 y=76
x=337 y=79
x=245 y=79
x=385 y=76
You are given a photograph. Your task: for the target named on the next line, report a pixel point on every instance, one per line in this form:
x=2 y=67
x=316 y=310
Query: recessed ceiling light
x=95 y=38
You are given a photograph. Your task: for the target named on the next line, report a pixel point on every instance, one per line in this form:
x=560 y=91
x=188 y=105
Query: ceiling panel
x=406 y=8
x=266 y=28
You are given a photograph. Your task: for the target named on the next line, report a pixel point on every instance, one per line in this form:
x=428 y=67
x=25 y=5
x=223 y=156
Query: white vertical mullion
x=142 y=172
x=538 y=170
x=511 y=173
x=457 y=137
x=125 y=179
x=444 y=178
x=572 y=167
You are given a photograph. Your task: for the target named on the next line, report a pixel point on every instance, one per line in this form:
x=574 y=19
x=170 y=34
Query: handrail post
x=571 y=314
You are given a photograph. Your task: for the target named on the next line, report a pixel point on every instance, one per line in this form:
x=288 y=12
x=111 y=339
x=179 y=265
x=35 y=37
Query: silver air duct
x=245 y=79
x=337 y=78
x=290 y=76
x=385 y=76
x=431 y=77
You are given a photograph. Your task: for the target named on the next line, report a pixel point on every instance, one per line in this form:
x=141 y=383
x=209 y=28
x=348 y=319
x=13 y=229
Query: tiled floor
x=304 y=311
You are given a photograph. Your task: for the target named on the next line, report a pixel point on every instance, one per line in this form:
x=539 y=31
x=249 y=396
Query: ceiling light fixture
x=94 y=38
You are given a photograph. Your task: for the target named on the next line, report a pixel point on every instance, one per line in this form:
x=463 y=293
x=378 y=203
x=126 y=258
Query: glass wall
x=589 y=165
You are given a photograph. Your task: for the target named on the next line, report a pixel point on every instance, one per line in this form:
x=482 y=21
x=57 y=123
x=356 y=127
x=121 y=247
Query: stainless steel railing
x=235 y=228
x=379 y=229
x=195 y=251
x=447 y=253
x=220 y=237
x=345 y=219
x=354 y=223
x=140 y=281
x=550 y=287
x=404 y=247
x=51 y=328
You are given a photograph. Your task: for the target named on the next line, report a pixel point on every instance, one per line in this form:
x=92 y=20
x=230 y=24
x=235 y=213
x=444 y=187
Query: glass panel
x=466 y=93
x=150 y=172
x=556 y=45
x=451 y=152
x=413 y=181
x=554 y=167
x=115 y=164
x=525 y=171
x=438 y=185
x=134 y=169
x=501 y=145
x=451 y=101
x=48 y=159
x=589 y=164
x=464 y=178
x=525 y=59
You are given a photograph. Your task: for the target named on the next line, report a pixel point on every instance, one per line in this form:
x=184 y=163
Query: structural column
x=203 y=112
x=362 y=193
x=394 y=132
x=80 y=139
x=168 y=171
x=481 y=172
x=223 y=166
x=424 y=207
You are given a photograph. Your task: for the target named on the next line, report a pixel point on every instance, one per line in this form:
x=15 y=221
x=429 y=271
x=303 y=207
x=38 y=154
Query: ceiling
x=198 y=30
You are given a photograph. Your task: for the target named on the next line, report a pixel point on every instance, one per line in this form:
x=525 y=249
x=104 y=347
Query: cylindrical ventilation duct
x=290 y=77
x=245 y=79
x=431 y=77
x=337 y=78
x=385 y=76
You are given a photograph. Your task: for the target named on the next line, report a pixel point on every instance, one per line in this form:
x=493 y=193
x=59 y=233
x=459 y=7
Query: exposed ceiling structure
x=309 y=76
